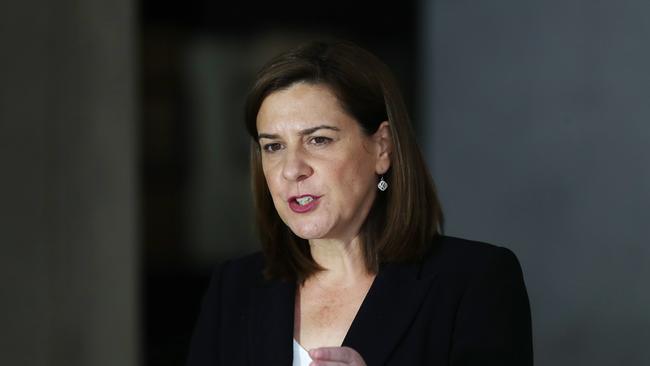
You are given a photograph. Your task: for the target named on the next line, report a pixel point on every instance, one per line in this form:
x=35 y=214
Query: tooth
x=304 y=200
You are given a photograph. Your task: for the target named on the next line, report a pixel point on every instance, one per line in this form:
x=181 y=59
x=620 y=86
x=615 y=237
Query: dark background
x=124 y=160
x=198 y=60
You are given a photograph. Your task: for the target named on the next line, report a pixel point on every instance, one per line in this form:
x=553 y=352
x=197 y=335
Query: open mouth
x=304 y=200
x=304 y=203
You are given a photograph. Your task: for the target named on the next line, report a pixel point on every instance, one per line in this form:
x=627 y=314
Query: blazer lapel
x=270 y=326
x=387 y=311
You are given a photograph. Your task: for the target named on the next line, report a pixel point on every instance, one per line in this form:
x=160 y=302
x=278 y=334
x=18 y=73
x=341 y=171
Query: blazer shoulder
x=467 y=257
x=242 y=270
x=492 y=321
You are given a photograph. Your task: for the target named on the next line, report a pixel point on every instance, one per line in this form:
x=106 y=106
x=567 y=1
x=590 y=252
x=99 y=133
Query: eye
x=320 y=140
x=272 y=147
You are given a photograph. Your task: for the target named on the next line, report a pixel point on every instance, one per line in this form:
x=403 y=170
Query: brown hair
x=404 y=219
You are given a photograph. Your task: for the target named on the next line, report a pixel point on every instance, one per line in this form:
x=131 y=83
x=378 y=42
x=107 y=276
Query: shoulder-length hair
x=404 y=219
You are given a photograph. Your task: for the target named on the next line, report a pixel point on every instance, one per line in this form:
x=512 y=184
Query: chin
x=306 y=234
x=308 y=231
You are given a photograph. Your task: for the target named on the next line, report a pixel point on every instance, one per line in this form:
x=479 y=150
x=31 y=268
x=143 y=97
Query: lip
x=297 y=208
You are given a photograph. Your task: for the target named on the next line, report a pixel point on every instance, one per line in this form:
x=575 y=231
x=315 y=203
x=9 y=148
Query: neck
x=343 y=262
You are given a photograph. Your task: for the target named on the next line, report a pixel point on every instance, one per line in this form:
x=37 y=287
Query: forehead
x=301 y=106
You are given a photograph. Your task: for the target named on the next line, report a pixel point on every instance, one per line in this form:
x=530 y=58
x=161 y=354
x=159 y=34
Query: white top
x=300 y=355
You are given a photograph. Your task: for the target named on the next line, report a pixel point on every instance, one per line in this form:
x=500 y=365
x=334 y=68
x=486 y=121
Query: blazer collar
x=385 y=315
x=387 y=311
x=270 y=324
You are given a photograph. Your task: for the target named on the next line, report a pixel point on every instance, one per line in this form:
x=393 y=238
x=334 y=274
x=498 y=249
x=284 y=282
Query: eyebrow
x=305 y=132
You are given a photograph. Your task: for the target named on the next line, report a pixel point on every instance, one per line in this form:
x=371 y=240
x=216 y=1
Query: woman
x=354 y=270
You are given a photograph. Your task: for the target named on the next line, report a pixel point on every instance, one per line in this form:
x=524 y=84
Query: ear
x=383 y=140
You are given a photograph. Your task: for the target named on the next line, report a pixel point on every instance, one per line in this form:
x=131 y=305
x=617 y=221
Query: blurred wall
x=540 y=142
x=68 y=185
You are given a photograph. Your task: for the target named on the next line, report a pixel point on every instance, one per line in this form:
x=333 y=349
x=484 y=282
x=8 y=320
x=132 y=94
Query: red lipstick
x=312 y=202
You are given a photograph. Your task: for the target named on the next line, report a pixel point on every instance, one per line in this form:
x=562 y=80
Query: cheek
x=354 y=175
x=273 y=183
x=270 y=177
x=362 y=166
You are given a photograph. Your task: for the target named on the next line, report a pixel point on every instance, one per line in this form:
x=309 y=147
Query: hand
x=335 y=356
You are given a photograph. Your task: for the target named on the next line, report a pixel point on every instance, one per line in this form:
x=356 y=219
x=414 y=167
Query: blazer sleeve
x=203 y=346
x=493 y=323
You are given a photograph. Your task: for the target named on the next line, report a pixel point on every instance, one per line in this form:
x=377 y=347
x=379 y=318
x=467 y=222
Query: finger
x=337 y=354
x=328 y=363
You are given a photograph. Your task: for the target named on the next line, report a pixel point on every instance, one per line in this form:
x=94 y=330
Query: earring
x=382 y=185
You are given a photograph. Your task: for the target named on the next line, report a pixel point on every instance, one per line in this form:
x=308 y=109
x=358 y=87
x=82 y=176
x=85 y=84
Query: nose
x=295 y=167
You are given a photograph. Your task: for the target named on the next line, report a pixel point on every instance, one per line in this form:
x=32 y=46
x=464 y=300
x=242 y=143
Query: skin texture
x=341 y=166
x=310 y=145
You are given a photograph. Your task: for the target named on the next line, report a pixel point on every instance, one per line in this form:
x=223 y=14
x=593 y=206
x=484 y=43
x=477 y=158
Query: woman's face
x=321 y=169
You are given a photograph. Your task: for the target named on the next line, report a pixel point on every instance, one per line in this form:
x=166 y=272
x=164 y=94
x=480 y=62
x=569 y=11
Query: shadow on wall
x=540 y=143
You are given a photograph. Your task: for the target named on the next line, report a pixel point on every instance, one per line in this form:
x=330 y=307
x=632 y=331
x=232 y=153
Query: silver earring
x=382 y=185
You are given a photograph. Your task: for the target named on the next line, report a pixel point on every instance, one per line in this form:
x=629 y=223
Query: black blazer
x=464 y=304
